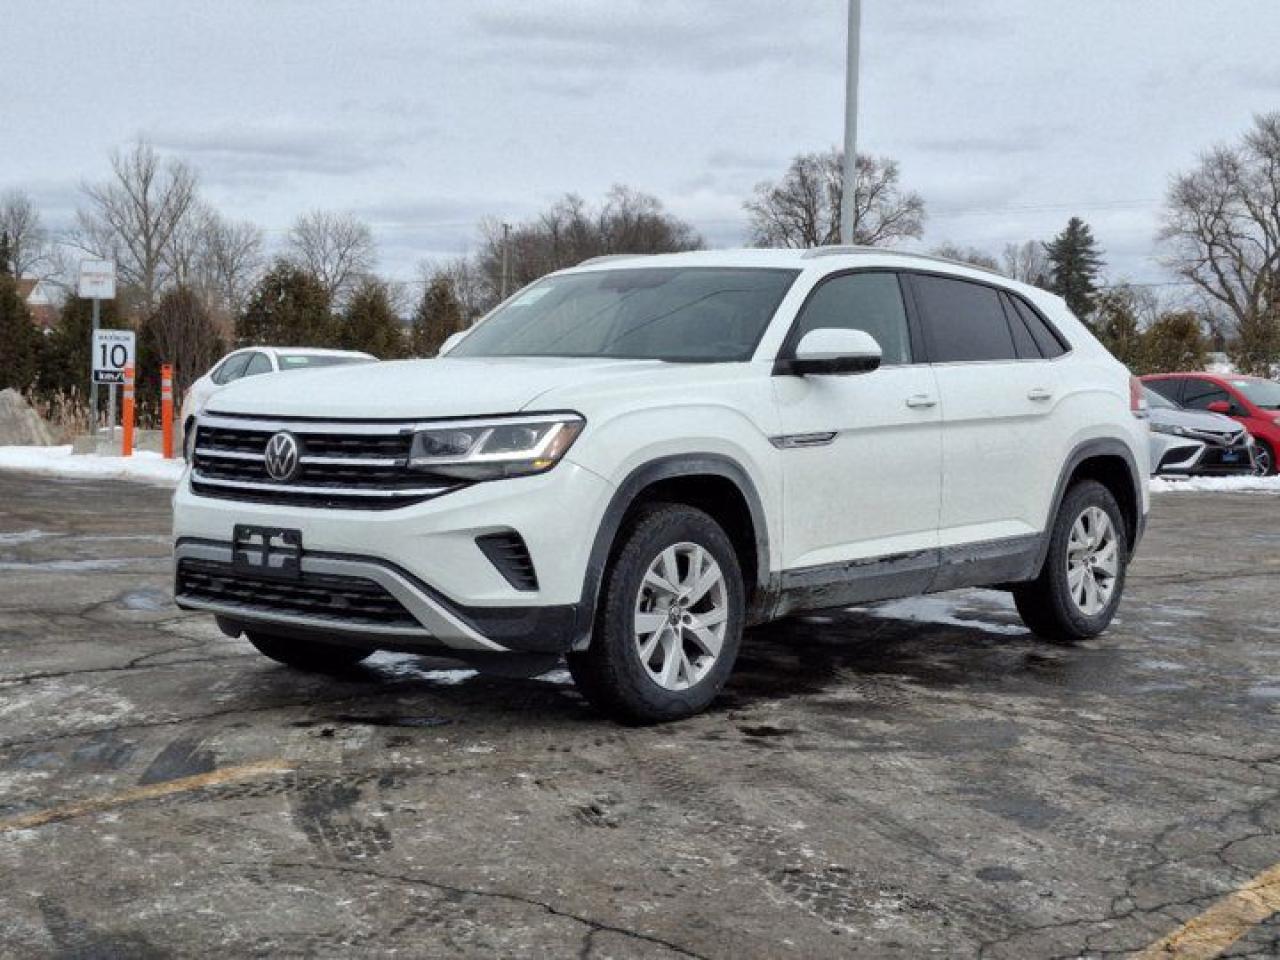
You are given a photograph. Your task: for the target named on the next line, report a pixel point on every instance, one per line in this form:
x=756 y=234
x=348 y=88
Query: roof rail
x=610 y=256
x=837 y=249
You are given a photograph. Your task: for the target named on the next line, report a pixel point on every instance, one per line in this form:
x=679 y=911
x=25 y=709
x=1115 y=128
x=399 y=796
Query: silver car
x=1196 y=443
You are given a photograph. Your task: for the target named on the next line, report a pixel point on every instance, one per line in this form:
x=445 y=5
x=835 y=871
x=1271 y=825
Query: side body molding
x=666 y=468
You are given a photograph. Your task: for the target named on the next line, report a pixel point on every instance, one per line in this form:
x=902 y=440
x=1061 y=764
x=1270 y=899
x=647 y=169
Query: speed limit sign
x=113 y=350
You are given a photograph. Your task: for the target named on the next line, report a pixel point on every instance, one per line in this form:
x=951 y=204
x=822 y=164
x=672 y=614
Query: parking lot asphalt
x=911 y=779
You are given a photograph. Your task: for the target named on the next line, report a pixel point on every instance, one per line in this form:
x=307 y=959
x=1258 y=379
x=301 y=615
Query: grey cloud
x=268 y=150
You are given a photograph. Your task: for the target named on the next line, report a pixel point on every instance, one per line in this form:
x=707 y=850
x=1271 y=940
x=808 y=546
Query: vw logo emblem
x=282 y=457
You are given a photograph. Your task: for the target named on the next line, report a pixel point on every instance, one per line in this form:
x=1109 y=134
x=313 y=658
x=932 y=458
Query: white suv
x=630 y=461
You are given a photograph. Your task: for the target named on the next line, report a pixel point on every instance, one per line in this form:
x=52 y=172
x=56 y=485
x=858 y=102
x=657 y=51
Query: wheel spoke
x=1090 y=594
x=1109 y=560
x=647 y=623
x=708 y=579
x=647 y=648
x=1075 y=578
x=672 y=655
x=705 y=637
x=658 y=582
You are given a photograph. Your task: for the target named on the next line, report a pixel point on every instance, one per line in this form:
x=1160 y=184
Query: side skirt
x=991 y=563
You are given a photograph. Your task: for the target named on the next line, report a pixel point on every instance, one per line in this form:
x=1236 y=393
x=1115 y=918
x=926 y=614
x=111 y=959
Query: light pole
x=850 y=123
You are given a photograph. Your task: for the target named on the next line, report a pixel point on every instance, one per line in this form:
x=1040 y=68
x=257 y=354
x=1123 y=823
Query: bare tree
x=1027 y=263
x=181 y=332
x=30 y=253
x=218 y=260
x=970 y=255
x=336 y=248
x=1222 y=233
x=133 y=216
x=803 y=208
x=570 y=231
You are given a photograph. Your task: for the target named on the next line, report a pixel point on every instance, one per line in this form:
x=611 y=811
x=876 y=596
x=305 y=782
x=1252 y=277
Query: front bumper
x=424 y=557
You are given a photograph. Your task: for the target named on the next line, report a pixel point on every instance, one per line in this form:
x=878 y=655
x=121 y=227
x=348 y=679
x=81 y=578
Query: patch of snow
x=407 y=665
x=560 y=676
x=938 y=609
x=21 y=536
x=59 y=461
x=1215 y=484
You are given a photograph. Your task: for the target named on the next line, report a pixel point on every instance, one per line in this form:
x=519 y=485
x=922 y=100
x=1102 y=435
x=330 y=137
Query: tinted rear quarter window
x=1026 y=344
x=1049 y=342
x=964 y=320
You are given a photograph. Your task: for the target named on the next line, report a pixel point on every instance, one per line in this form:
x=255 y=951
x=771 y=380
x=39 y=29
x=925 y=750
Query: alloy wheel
x=1093 y=561
x=681 y=614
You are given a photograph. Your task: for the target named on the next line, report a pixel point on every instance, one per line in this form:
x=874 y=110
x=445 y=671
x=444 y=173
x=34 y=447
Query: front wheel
x=1264 y=459
x=670 y=619
x=308 y=655
x=1076 y=595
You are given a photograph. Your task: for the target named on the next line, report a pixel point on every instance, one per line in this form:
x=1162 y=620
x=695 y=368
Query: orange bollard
x=166 y=409
x=126 y=414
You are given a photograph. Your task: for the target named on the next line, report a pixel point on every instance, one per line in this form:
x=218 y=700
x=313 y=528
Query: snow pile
x=143 y=465
x=19 y=423
x=951 y=610
x=1215 y=484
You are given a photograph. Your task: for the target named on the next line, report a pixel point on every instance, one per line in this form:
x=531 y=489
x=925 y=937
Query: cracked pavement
x=869 y=785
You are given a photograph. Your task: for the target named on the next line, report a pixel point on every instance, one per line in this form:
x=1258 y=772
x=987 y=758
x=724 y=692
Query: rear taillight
x=1137 y=399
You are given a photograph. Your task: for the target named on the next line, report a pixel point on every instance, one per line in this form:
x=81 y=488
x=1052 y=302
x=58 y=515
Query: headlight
x=1169 y=428
x=492 y=449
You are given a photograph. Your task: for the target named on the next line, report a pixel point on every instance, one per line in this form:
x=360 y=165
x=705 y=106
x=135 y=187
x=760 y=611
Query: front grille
x=341 y=599
x=1221 y=438
x=340 y=465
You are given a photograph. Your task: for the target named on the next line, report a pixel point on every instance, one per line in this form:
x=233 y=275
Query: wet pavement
x=920 y=778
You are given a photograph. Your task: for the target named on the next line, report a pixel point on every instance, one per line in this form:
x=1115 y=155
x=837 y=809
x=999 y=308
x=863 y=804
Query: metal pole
x=506 y=257
x=847 y=209
x=93 y=384
x=111 y=412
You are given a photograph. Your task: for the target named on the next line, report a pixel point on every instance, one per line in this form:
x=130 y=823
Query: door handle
x=920 y=401
x=1039 y=394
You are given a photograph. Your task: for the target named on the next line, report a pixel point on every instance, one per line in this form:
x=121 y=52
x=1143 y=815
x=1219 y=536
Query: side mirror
x=830 y=350
x=450 y=342
x=1219 y=406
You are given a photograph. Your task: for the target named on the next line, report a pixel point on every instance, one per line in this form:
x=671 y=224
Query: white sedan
x=254 y=361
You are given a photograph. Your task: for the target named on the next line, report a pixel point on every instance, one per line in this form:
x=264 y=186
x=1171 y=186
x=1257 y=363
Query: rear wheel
x=309 y=655
x=1076 y=595
x=670 y=619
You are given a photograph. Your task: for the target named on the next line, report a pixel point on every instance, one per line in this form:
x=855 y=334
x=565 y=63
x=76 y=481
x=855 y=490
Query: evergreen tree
x=438 y=315
x=289 y=308
x=369 y=322
x=1074 y=261
x=19 y=339
x=66 y=356
x=6 y=254
x=1115 y=321
x=1174 y=342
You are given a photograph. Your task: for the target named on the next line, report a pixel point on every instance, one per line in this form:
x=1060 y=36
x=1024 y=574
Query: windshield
x=1156 y=400
x=678 y=314
x=297 y=361
x=1261 y=393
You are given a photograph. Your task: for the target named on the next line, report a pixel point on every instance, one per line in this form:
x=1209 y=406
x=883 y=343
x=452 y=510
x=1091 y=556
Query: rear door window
x=964 y=321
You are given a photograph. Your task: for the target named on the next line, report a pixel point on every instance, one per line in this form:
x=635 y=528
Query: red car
x=1253 y=401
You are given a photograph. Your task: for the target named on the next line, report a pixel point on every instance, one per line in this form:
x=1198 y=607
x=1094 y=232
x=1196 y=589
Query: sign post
x=97 y=283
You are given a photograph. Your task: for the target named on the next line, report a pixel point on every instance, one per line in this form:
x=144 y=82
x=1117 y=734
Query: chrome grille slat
x=341 y=465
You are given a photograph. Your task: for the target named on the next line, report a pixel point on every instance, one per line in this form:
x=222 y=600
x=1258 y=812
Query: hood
x=1195 y=420
x=415 y=389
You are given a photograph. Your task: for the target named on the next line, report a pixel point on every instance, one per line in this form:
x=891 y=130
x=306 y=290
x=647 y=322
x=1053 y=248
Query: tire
x=1049 y=605
x=309 y=655
x=682 y=673
x=1265 y=457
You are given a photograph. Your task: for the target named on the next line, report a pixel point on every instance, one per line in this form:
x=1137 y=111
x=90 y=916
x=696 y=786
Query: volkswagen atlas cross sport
x=630 y=461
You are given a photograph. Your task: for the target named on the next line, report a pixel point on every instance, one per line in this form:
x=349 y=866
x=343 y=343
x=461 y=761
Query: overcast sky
x=424 y=116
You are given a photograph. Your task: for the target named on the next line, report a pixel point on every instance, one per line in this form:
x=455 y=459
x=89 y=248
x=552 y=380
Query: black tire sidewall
x=633 y=694
x=1078 y=499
